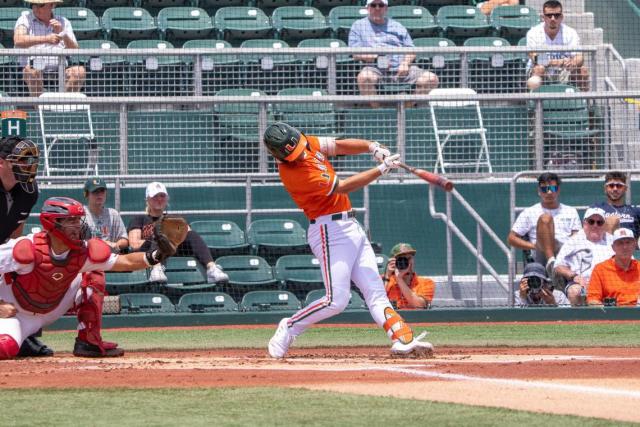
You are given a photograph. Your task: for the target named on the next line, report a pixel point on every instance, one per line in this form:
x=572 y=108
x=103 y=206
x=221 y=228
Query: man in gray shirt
x=104 y=223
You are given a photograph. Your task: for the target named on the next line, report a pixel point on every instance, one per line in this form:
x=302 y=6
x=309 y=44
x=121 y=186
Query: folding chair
x=462 y=119
x=67 y=122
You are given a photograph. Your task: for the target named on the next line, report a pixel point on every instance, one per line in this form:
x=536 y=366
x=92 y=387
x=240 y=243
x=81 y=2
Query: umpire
x=18 y=194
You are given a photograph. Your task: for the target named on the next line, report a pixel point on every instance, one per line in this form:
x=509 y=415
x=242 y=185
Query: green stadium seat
x=183 y=271
x=85 y=23
x=155 y=6
x=212 y=6
x=222 y=237
x=513 y=22
x=107 y=75
x=8 y=18
x=206 y=302
x=322 y=43
x=242 y=23
x=269 y=72
x=218 y=71
x=445 y=65
x=326 y=5
x=269 y=301
x=266 y=44
x=299 y=274
x=294 y=23
x=128 y=23
x=272 y=238
x=142 y=303
x=156 y=75
x=494 y=72
x=342 y=17
x=184 y=23
x=355 y=303
x=122 y=282
x=246 y=273
x=416 y=19
x=313 y=69
x=318 y=118
x=461 y=22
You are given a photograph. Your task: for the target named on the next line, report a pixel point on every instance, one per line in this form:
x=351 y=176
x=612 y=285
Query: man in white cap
x=581 y=253
x=41 y=29
x=378 y=30
x=616 y=281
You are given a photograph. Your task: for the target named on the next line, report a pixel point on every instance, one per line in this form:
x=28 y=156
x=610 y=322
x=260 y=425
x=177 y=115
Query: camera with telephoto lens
x=402 y=262
x=535 y=284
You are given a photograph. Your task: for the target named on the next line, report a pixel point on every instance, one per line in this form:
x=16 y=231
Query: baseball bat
x=431 y=178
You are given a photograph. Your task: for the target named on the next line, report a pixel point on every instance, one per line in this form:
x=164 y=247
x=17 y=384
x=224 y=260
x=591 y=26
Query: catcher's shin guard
x=90 y=311
x=396 y=328
x=9 y=348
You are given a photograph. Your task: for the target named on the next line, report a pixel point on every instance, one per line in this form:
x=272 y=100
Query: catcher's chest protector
x=42 y=290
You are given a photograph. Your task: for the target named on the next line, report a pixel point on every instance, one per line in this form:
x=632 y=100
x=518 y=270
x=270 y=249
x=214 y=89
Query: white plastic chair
x=444 y=135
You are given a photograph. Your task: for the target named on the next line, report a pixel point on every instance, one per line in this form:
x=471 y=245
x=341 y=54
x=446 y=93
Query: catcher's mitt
x=169 y=233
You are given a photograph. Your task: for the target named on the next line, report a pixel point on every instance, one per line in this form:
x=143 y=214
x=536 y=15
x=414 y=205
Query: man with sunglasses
x=617 y=212
x=581 y=253
x=404 y=287
x=378 y=30
x=555 y=67
x=544 y=227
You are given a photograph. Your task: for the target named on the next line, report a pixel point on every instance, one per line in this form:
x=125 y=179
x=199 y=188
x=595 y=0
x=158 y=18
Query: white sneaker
x=215 y=274
x=549 y=267
x=157 y=274
x=416 y=348
x=281 y=340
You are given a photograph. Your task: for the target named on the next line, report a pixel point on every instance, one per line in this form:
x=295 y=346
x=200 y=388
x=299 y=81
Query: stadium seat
x=494 y=72
x=342 y=17
x=212 y=6
x=8 y=18
x=85 y=23
x=155 y=6
x=271 y=238
x=156 y=75
x=206 y=302
x=355 y=302
x=242 y=23
x=106 y=75
x=461 y=22
x=122 y=282
x=317 y=118
x=445 y=65
x=294 y=23
x=122 y=24
x=325 y=6
x=513 y=22
x=269 y=301
x=299 y=274
x=416 y=19
x=246 y=273
x=142 y=303
x=183 y=271
x=222 y=237
x=314 y=69
x=218 y=71
x=269 y=72
x=184 y=23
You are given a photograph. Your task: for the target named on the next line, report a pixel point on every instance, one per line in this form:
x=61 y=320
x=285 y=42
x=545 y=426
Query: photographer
x=536 y=289
x=404 y=287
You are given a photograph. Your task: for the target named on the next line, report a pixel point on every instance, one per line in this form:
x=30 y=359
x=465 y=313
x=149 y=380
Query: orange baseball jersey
x=421 y=286
x=608 y=280
x=311 y=182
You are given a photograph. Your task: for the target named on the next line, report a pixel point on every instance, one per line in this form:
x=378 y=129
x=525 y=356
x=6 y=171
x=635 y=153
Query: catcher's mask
x=23 y=154
x=55 y=212
x=284 y=142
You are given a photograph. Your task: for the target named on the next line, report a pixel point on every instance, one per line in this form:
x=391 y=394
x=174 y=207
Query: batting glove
x=388 y=163
x=379 y=151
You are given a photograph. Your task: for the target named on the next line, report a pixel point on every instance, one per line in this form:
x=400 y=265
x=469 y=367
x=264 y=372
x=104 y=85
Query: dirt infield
x=598 y=382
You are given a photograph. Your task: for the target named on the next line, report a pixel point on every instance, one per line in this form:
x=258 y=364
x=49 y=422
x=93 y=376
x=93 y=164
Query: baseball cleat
x=215 y=275
x=85 y=349
x=281 y=340
x=157 y=274
x=415 y=349
x=33 y=347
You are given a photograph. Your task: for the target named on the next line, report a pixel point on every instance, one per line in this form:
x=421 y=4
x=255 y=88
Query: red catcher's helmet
x=56 y=208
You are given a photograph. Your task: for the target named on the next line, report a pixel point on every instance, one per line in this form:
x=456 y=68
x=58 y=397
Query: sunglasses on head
x=553 y=15
x=616 y=185
x=598 y=222
x=377 y=5
x=548 y=188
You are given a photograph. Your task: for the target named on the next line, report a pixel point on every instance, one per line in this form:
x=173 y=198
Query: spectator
x=617 y=213
x=556 y=67
x=544 y=227
x=404 y=287
x=104 y=223
x=487 y=7
x=377 y=30
x=41 y=29
x=616 y=281
x=141 y=237
x=581 y=253
x=536 y=290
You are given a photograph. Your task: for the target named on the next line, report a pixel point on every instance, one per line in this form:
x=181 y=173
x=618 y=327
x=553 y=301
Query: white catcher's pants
x=345 y=254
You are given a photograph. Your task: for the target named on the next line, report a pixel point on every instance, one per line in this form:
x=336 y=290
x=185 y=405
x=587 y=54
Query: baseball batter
x=336 y=238
x=42 y=278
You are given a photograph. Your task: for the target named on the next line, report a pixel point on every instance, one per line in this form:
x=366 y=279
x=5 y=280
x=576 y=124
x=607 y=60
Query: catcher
x=43 y=274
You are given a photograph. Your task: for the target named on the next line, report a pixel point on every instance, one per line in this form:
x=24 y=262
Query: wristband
x=383 y=168
x=373 y=146
x=150 y=257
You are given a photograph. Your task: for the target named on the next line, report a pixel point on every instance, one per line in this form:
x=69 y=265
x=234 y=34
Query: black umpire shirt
x=15 y=206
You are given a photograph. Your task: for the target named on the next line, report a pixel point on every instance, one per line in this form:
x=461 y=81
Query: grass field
x=275 y=406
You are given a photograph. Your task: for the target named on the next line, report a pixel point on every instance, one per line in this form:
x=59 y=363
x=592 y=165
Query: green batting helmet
x=284 y=142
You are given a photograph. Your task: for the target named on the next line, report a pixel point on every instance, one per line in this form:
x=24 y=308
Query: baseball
x=534 y=82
